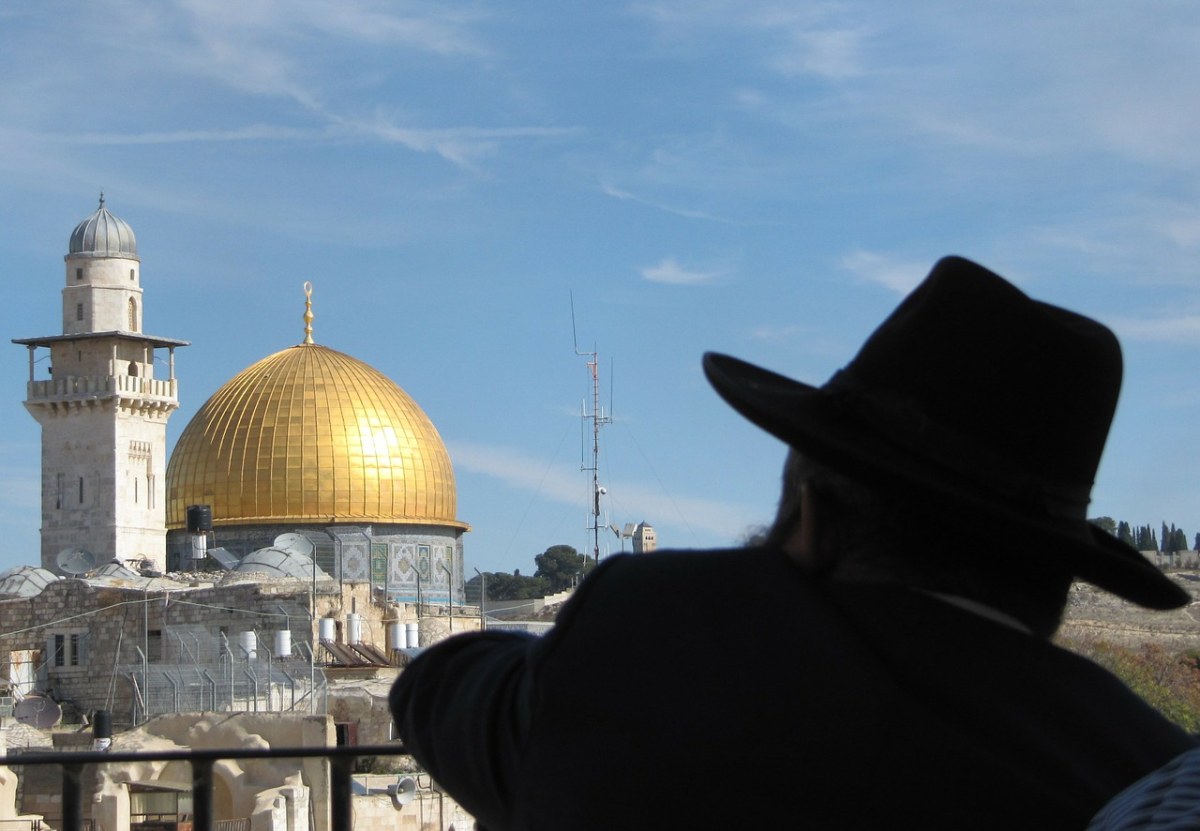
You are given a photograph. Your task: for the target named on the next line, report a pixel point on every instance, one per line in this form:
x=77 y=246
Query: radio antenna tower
x=598 y=419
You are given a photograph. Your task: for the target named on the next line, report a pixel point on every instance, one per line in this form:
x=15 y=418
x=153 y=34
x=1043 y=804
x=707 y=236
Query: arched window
x=133 y=321
x=133 y=369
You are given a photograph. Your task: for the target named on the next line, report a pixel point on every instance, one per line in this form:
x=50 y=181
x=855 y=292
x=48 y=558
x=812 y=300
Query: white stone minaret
x=102 y=411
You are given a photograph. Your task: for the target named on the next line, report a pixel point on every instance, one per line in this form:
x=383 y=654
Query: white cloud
x=832 y=54
x=816 y=39
x=617 y=193
x=900 y=277
x=1180 y=329
x=564 y=485
x=671 y=272
x=460 y=145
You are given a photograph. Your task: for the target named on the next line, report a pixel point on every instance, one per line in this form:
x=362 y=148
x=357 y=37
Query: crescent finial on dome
x=308 y=312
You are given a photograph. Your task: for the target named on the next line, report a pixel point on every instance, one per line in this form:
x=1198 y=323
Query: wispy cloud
x=899 y=276
x=252 y=132
x=776 y=334
x=669 y=271
x=814 y=39
x=617 y=193
x=460 y=145
x=563 y=485
x=311 y=52
x=1180 y=329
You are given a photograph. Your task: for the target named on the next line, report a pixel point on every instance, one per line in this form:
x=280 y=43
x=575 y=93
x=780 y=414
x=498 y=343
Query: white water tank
x=413 y=632
x=283 y=643
x=248 y=641
x=395 y=636
x=354 y=628
x=327 y=629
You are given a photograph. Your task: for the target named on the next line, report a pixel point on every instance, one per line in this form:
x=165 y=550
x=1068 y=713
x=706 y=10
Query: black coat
x=727 y=689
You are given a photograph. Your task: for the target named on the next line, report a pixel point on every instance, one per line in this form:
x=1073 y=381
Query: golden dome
x=311 y=435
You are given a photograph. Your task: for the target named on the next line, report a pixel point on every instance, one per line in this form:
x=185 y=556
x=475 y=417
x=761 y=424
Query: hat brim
x=809 y=420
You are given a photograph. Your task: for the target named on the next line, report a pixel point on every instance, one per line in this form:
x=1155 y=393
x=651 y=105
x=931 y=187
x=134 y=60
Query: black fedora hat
x=979 y=399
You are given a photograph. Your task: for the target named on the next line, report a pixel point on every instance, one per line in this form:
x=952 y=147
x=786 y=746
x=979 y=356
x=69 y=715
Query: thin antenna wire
x=598 y=420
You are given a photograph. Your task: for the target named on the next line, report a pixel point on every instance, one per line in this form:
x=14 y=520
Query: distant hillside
x=1155 y=653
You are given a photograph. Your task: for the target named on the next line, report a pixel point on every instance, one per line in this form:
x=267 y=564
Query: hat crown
x=1027 y=384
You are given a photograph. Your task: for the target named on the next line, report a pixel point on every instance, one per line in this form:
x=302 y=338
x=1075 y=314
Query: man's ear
x=808 y=541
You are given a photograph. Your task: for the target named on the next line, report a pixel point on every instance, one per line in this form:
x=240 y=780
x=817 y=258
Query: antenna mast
x=598 y=419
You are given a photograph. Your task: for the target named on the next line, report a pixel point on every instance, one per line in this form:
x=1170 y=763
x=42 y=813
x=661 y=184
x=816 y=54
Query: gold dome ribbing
x=311 y=435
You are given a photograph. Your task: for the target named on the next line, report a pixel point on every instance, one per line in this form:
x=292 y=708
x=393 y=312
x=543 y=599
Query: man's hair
x=885 y=535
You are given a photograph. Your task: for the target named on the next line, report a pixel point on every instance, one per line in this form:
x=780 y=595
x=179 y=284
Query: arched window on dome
x=133 y=317
x=133 y=368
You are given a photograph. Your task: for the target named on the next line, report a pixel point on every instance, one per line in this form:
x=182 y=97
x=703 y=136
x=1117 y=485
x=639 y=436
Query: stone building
x=332 y=500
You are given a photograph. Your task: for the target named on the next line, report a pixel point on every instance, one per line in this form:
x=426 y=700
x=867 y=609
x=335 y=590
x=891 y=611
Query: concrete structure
x=644 y=539
x=102 y=411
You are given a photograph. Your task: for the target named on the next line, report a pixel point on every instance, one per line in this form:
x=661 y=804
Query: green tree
x=1105 y=522
x=1125 y=533
x=502 y=586
x=561 y=565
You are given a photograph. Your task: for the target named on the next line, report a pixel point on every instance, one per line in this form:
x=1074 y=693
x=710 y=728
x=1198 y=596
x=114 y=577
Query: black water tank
x=199 y=519
x=102 y=724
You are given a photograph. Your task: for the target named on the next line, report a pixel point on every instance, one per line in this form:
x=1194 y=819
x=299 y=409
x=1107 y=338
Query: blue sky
x=760 y=178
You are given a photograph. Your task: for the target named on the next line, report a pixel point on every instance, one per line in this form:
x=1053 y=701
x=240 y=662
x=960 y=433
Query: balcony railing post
x=202 y=794
x=339 y=792
x=72 y=796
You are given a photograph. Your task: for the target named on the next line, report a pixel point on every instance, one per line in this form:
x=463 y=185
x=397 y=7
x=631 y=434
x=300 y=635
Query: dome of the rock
x=310 y=435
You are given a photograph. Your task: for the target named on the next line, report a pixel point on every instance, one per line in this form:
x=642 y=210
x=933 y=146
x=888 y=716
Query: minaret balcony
x=81 y=387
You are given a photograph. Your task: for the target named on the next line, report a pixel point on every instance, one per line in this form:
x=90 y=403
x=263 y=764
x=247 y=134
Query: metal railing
x=341 y=761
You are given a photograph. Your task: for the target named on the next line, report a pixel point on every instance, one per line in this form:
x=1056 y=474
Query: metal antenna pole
x=598 y=420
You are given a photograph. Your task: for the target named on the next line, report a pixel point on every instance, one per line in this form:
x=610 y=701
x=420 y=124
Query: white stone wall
x=103 y=481
x=104 y=287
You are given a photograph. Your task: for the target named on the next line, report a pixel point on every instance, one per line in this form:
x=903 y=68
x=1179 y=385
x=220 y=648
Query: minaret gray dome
x=103 y=235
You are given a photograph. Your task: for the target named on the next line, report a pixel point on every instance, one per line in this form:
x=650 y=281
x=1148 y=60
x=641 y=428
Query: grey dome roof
x=25 y=581
x=103 y=235
x=280 y=562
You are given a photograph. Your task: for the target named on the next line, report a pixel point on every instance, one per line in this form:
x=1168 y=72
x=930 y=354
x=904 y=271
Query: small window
x=76 y=651
x=346 y=733
x=79 y=311
x=154 y=645
x=60 y=650
x=133 y=321
x=78 y=274
x=131 y=274
x=80 y=490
